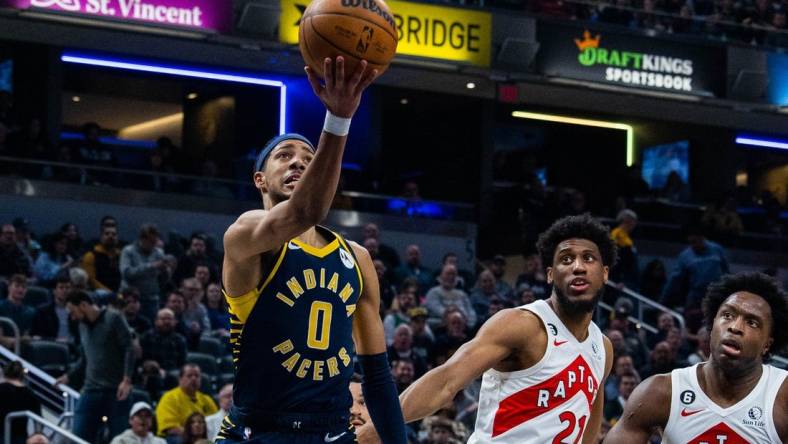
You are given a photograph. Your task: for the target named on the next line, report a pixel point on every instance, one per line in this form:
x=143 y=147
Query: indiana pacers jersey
x=292 y=336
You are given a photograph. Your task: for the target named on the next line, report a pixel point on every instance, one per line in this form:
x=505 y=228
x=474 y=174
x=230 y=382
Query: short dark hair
x=148 y=231
x=448 y=255
x=182 y=371
x=14 y=370
x=756 y=283
x=176 y=293
x=200 y=236
x=407 y=283
x=18 y=279
x=79 y=296
x=129 y=293
x=105 y=221
x=577 y=227
x=62 y=278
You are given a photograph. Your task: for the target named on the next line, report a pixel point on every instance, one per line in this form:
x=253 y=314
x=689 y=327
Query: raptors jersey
x=549 y=402
x=696 y=419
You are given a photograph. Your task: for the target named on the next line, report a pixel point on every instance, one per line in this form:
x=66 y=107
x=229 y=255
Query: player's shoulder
x=515 y=323
x=361 y=253
x=657 y=388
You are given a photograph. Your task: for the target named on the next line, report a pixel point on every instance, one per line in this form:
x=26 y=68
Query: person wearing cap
x=303 y=300
x=24 y=238
x=627 y=270
x=405 y=300
x=498 y=268
x=423 y=338
x=622 y=309
x=141 y=422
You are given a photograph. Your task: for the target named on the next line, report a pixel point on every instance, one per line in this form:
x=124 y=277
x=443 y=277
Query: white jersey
x=549 y=402
x=696 y=419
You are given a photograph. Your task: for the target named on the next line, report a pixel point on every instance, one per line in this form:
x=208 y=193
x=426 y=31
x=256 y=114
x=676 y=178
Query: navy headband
x=258 y=164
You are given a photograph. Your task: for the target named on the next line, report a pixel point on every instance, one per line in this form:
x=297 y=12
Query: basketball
x=354 y=29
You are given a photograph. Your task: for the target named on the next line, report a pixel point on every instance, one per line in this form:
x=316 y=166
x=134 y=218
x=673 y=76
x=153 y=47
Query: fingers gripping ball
x=354 y=29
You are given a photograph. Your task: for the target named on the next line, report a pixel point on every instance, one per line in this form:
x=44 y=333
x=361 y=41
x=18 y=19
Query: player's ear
x=549 y=275
x=768 y=346
x=259 y=180
x=606 y=272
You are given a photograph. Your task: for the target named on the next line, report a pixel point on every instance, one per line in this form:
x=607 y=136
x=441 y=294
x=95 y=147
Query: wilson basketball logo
x=363 y=43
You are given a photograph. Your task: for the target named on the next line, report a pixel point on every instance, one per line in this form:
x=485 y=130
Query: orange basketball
x=354 y=29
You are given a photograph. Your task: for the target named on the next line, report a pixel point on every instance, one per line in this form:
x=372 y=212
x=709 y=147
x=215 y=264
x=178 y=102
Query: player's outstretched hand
x=366 y=434
x=339 y=93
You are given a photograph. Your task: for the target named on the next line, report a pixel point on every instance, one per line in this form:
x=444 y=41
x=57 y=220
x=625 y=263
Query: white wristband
x=338 y=126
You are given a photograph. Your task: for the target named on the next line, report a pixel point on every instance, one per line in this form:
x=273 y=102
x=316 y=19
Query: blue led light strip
x=767 y=143
x=186 y=72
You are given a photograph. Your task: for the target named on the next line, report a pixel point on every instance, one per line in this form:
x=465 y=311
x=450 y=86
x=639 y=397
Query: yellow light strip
x=151 y=124
x=586 y=122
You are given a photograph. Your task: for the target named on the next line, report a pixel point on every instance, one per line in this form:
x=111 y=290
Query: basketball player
x=300 y=295
x=543 y=363
x=733 y=398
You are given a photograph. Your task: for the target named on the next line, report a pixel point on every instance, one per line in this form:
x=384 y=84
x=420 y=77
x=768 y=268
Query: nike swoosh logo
x=556 y=342
x=685 y=412
x=329 y=438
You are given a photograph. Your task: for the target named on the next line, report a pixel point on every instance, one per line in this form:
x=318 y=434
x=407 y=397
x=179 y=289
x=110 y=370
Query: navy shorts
x=287 y=429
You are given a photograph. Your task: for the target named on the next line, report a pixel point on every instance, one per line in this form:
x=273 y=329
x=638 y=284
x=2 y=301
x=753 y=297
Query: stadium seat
x=36 y=296
x=208 y=364
x=212 y=346
x=50 y=356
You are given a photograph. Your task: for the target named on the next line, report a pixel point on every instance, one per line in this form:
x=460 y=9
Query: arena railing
x=84 y=174
x=10 y=322
x=60 y=399
x=41 y=425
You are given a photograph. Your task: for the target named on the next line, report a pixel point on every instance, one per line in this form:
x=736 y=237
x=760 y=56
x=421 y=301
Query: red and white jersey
x=696 y=419
x=549 y=402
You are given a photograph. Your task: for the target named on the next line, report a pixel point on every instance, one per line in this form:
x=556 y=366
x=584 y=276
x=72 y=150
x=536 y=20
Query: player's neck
x=313 y=238
x=576 y=323
x=727 y=387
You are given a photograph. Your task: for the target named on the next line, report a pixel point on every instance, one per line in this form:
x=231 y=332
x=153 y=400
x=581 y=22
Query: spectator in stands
x=622 y=309
x=79 y=279
x=52 y=321
x=195 y=430
x=524 y=295
x=498 y=268
x=614 y=407
x=213 y=423
x=102 y=263
x=464 y=278
x=92 y=151
x=423 y=338
x=203 y=275
x=12 y=259
x=621 y=347
x=37 y=438
x=700 y=264
x=441 y=432
x=440 y=297
x=25 y=240
x=197 y=254
x=75 y=246
x=142 y=266
x=665 y=323
x=218 y=313
x=534 y=276
x=386 y=253
x=163 y=345
x=16 y=396
x=662 y=360
x=402 y=348
x=453 y=335
x=402 y=371
x=53 y=260
x=675 y=190
x=627 y=270
x=141 y=422
x=721 y=219
x=32 y=143
x=482 y=293
x=701 y=353
x=619 y=15
x=13 y=307
x=406 y=299
x=387 y=289
x=178 y=404
x=496 y=304
x=622 y=364
x=410 y=190
x=413 y=268
x=194 y=315
x=129 y=300
x=174 y=157
x=680 y=347
x=107 y=362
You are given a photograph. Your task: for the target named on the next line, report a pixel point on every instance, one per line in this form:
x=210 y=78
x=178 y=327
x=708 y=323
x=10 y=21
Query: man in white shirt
x=214 y=422
x=141 y=422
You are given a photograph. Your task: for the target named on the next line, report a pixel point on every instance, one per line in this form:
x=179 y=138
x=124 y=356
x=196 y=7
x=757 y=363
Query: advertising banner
x=210 y=15
x=593 y=54
x=438 y=32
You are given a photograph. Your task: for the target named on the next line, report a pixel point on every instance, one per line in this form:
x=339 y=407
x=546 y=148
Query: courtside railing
x=41 y=425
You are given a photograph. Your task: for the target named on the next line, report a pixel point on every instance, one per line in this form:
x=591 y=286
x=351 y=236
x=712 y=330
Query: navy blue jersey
x=292 y=336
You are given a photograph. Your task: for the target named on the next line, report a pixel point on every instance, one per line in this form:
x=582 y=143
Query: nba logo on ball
x=354 y=29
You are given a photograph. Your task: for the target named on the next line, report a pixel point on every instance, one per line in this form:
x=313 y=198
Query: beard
x=573 y=308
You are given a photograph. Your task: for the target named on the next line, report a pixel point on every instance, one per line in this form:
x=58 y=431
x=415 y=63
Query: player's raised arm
x=313 y=176
x=380 y=393
x=646 y=409
x=498 y=338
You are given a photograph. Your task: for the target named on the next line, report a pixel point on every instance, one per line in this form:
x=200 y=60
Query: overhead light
x=470 y=85
x=766 y=143
x=150 y=124
x=586 y=122
x=76 y=99
x=403 y=101
x=185 y=71
x=192 y=96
